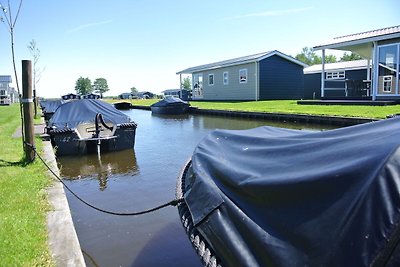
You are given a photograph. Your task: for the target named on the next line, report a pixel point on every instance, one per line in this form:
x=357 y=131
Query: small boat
x=90 y=126
x=122 y=105
x=279 y=197
x=49 y=107
x=170 y=106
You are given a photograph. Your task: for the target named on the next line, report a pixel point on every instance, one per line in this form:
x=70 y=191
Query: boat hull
x=67 y=142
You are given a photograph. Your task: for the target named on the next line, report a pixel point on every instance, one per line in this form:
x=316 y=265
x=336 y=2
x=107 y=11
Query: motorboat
x=123 y=105
x=49 y=107
x=90 y=126
x=277 y=197
x=170 y=106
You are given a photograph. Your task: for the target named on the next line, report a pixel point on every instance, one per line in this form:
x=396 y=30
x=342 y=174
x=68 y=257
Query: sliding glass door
x=388 y=69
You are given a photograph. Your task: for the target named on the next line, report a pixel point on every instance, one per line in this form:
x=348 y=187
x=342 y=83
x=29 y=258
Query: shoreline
x=301 y=118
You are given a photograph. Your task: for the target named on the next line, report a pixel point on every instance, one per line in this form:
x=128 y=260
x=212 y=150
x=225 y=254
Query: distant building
x=5 y=90
x=71 y=96
x=145 y=95
x=181 y=93
x=13 y=95
x=125 y=96
x=264 y=76
x=91 y=96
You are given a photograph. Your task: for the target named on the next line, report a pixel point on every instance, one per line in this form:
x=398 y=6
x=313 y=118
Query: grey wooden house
x=342 y=80
x=381 y=48
x=264 y=76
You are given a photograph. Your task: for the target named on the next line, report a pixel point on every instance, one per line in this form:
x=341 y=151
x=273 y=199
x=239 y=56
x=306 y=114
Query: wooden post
x=27 y=103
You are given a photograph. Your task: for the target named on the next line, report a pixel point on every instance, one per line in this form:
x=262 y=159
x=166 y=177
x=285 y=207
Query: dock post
x=27 y=103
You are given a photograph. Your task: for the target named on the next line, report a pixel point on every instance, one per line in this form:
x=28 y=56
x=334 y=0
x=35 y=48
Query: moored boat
x=90 y=126
x=278 y=197
x=122 y=105
x=49 y=107
x=170 y=106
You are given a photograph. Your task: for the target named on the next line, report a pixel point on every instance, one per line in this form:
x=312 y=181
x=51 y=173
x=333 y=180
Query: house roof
x=345 y=65
x=70 y=94
x=5 y=79
x=359 y=41
x=240 y=61
x=144 y=92
x=172 y=90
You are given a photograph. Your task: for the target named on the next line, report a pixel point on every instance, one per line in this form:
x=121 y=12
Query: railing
x=337 y=88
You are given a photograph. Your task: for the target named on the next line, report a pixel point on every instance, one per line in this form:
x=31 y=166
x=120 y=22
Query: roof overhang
x=338 y=66
x=361 y=43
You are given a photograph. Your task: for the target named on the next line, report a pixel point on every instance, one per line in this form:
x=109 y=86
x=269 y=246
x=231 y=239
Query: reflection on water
x=163 y=145
x=214 y=122
x=101 y=167
x=176 y=117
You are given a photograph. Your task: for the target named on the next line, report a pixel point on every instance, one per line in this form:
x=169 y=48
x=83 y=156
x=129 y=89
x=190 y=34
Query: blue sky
x=143 y=43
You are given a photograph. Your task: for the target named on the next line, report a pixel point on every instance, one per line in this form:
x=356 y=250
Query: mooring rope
x=174 y=202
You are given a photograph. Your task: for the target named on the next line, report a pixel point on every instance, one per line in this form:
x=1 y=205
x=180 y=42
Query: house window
x=211 y=79
x=225 y=77
x=387 y=84
x=335 y=75
x=243 y=76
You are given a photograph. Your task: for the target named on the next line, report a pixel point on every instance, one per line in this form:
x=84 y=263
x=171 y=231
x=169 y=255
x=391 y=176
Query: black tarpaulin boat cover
x=278 y=197
x=168 y=101
x=75 y=112
x=50 y=106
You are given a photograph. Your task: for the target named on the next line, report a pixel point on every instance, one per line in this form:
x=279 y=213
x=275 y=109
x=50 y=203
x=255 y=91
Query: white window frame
x=209 y=79
x=225 y=79
x=335 y=75
x=387 y=83
x=246 y=74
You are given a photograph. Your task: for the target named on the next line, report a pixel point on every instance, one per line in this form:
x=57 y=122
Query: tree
x=187 y=83
x=309 y=57
x=330 y=59
x=350 y=57
x=37 y=72
x=11 y=21
x=134 y=90
x=100 y=86
x=83 y=86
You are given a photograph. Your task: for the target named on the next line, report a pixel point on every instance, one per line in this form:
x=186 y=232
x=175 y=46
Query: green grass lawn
x=291 y=107
x=23 y=200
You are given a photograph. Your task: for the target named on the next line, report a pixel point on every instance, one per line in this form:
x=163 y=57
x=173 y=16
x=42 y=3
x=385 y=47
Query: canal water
x=135 y=180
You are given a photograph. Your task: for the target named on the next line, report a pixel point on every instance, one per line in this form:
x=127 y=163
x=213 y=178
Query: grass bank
x=23 y=201
x=291 y=107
